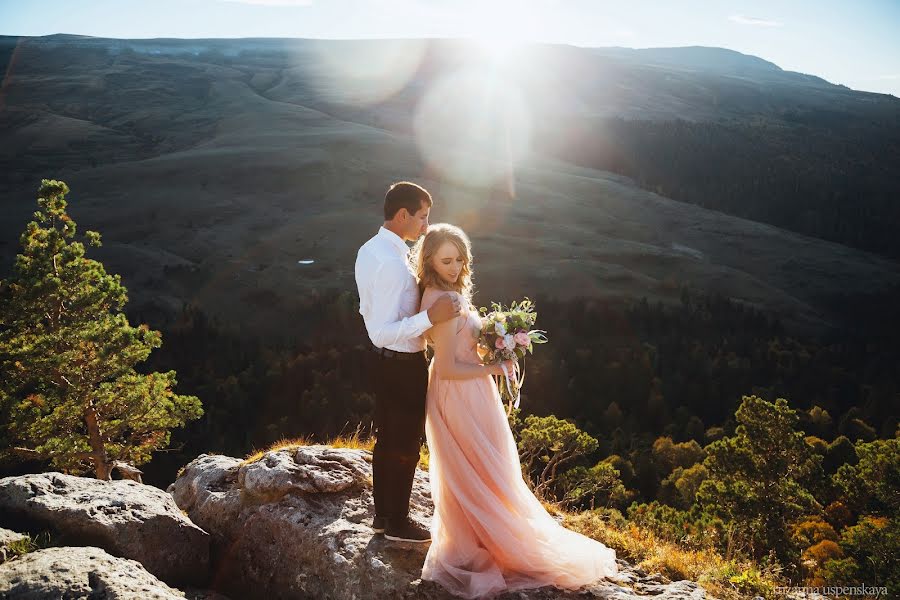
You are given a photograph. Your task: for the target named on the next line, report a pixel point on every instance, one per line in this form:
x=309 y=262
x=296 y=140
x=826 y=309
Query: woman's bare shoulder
x=439 y=292
x=435 y=293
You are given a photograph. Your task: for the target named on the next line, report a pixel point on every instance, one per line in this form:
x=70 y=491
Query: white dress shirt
x=389 y=295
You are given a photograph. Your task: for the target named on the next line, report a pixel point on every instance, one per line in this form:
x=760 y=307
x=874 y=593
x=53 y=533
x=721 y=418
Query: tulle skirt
x=490 y=534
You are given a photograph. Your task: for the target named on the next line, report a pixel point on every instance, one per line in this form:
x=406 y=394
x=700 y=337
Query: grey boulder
x=80 y=572
x=126 y=518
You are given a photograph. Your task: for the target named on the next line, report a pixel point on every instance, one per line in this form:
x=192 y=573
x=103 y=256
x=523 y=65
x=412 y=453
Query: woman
x=490 y=534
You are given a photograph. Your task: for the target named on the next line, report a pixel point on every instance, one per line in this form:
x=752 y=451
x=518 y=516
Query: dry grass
x=354 y=441
x=30 y=543
x=725 y=579
x=282 y=444
x=424 y=457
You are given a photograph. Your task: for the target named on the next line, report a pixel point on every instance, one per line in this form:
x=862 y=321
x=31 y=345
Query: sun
x=499 y=29
x=495 y=49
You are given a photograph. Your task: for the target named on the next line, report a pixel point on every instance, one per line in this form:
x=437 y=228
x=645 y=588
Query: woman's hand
x=497 y=368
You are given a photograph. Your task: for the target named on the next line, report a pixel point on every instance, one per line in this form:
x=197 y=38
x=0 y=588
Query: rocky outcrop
x=126 y=518
x=80 y=572
x=295 y=523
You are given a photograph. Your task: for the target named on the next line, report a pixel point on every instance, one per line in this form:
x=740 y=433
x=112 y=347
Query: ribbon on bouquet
x=519 y=379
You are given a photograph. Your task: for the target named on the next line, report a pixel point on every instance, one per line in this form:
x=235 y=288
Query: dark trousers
x=400 y=386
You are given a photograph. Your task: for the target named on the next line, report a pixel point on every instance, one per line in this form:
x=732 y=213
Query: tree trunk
x=101 y=461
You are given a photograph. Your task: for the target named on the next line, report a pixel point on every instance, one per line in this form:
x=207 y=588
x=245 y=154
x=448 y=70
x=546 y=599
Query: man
x=389 y=304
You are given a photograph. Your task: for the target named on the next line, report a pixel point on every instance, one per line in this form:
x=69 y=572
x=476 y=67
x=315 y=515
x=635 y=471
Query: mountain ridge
x=210 y=175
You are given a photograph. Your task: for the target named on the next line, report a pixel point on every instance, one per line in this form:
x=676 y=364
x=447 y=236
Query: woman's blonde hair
x=427 y=246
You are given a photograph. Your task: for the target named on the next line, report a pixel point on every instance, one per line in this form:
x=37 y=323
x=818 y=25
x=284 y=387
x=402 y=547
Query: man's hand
x=445 y=308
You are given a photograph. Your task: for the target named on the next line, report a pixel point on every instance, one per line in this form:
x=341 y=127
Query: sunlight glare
x=497 y=50
x=499 y=29
x=473 y=127
x=363 y=72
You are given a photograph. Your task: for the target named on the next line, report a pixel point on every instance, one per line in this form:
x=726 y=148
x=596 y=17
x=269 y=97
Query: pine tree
x=69 y=392
x=551 y=442
x=757 y=478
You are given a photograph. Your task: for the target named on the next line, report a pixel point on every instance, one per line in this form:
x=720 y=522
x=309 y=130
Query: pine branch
x=30 y=452
x=35 y=454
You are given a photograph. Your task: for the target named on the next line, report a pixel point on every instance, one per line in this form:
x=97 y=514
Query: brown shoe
x=405 y=530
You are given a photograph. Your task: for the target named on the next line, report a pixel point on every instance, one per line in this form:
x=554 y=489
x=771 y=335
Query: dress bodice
x=467 y=337
x=468 y=327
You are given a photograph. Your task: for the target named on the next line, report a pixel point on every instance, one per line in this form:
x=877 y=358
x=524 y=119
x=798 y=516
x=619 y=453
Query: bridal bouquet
x=507 y=334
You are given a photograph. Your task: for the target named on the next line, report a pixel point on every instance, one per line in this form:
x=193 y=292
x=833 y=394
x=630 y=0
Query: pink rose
x=499 y=343
x=522 y=339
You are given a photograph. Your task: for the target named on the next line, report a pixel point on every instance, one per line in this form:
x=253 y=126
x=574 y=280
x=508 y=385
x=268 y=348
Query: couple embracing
x=489 y=533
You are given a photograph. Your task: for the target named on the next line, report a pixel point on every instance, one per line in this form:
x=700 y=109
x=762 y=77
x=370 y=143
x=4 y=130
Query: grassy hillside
x=213 y=166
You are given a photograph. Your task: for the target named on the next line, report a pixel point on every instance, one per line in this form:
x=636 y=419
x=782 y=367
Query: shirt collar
x=394 y=240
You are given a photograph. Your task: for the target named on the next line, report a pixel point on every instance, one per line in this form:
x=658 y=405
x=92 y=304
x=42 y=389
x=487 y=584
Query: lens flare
x=362 y=72
x=473 y=126
x=497 y=50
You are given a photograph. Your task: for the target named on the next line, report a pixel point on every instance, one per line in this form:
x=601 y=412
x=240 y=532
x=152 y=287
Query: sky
x=850 y=42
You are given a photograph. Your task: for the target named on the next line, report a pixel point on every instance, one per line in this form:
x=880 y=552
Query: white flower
x=500 y=328
x=510 y=341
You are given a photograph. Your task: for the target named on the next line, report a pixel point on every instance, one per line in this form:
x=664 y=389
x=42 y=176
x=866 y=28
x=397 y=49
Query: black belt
x=397 y=355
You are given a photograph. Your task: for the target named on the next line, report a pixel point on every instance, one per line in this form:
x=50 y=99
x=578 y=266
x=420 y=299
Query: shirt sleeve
x=382 y=311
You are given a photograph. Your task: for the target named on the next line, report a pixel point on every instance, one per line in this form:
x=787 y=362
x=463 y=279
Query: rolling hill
x=213 y=167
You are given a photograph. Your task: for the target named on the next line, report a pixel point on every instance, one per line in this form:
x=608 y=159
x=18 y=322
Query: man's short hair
x=405 y=194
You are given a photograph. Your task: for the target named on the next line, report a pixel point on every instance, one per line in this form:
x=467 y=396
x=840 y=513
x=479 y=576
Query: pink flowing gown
x=490 y=534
